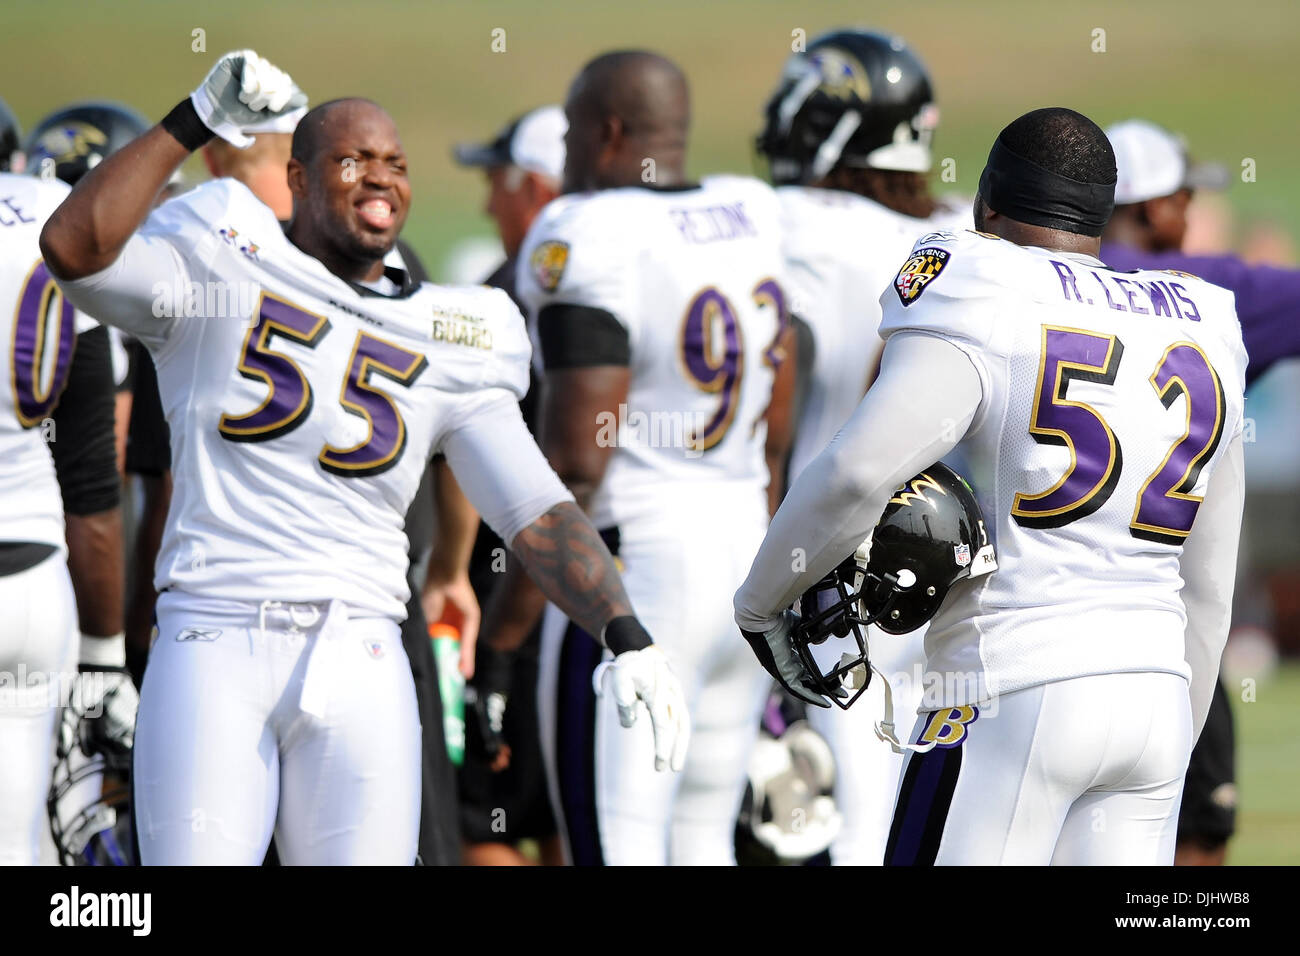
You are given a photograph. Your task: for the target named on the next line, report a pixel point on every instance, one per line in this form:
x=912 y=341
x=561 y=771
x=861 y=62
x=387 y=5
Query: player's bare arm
x=447 y=593
x=570 y=565
x=780 y=417
x=573 y=401
x=88 y=232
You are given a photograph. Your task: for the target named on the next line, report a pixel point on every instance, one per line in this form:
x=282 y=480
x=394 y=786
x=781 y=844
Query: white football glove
x=241 y=90
x=644 y=677
x=109 y=700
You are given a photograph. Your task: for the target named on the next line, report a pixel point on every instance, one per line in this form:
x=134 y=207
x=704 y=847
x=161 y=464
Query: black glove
x=488 y=694
x=776 y=653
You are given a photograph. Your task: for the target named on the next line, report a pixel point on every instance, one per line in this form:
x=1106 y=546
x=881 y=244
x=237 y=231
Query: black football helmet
x=11 y=137
x=930 y=538
x=89 y=803
x=71 y=141
x=855 y=98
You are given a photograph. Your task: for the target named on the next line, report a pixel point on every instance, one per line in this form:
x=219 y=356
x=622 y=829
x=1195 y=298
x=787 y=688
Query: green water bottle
x=451 y=686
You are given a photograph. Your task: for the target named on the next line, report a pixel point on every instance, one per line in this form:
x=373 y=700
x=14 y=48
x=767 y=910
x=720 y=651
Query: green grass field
x=1268 y=772
x=1225 y=74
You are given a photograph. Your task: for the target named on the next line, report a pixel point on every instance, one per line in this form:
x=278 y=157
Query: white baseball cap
x=1152 y=162
x=534 y=141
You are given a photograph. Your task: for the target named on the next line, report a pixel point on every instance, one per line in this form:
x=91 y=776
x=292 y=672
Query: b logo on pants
x=947 y=728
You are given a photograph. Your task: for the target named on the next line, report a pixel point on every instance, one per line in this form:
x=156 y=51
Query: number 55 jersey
x=1108 y=400
x=303 y=409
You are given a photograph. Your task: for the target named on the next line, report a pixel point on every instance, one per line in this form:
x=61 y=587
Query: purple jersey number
x=288 y=397
x=44 y=321
x=713 y=359
x=712 y=353
x=387 y=439
x=1095 y=457
x=770 y=294
x=1166 y=508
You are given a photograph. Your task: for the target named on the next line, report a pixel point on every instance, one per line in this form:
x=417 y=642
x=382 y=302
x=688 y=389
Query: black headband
x=1022 y=190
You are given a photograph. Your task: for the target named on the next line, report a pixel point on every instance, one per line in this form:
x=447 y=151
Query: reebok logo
x=198 y=634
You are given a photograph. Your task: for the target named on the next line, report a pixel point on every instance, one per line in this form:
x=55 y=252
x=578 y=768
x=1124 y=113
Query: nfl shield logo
x=961 y=554
x=376 y=648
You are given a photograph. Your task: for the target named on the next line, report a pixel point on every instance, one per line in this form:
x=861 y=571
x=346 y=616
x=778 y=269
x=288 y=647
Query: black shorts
x=1209 y=812
x=512 y=805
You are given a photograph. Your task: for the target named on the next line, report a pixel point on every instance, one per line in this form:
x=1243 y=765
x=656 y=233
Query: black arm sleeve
x=85 y=459
x=579 y=336
x=148 y=438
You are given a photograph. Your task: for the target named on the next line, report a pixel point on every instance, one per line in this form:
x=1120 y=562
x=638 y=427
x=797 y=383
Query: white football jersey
x=38 y=333
x=841 y=250
x=694 y=276
x=302 y=411
x=1108 y=400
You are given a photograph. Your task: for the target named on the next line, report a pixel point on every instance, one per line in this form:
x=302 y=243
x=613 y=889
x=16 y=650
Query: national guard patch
x=548 y=261
x=918 y=272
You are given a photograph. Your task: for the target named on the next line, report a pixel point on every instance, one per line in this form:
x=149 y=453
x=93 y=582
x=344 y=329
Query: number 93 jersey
x=303 y=411
x=38 y=332
x=1108 y=400
x=692 y=277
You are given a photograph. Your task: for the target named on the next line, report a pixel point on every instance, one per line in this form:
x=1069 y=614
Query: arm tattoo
x=564 y=555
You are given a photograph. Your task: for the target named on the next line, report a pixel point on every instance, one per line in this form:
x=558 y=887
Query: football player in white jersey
x=60 y=525
x=1101 y=413
x=847 y=140
x=306 y=385
x=657 y=310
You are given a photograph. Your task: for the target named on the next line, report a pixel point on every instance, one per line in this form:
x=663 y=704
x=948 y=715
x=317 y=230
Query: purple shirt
x=1268 y=298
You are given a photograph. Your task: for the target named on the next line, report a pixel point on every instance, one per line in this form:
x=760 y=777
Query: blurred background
x=1223 y=74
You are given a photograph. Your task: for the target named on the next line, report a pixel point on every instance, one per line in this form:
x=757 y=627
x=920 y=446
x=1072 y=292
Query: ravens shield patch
x=548 y=261
x=922 y=268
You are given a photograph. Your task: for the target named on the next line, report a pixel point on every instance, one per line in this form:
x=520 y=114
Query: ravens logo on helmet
x=73 y=140
x=854 y=98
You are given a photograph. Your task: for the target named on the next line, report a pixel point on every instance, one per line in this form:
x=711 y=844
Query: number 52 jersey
x=303 y=411
x=1108 y=400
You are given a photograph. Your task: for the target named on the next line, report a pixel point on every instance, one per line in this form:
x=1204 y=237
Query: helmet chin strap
x=885 y=728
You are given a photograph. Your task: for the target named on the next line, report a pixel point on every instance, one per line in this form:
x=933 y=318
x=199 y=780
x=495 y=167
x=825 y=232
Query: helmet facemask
x=931 y=538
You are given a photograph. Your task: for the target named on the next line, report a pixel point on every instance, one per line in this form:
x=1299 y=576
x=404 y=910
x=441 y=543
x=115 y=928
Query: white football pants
x=289 y=718
x=866 y=768
x=1080 y=772
x=613 y=806
x=38 y=647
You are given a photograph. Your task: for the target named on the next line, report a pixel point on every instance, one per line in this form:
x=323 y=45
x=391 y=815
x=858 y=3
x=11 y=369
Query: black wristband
x=626 y=634
x=185 y=126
